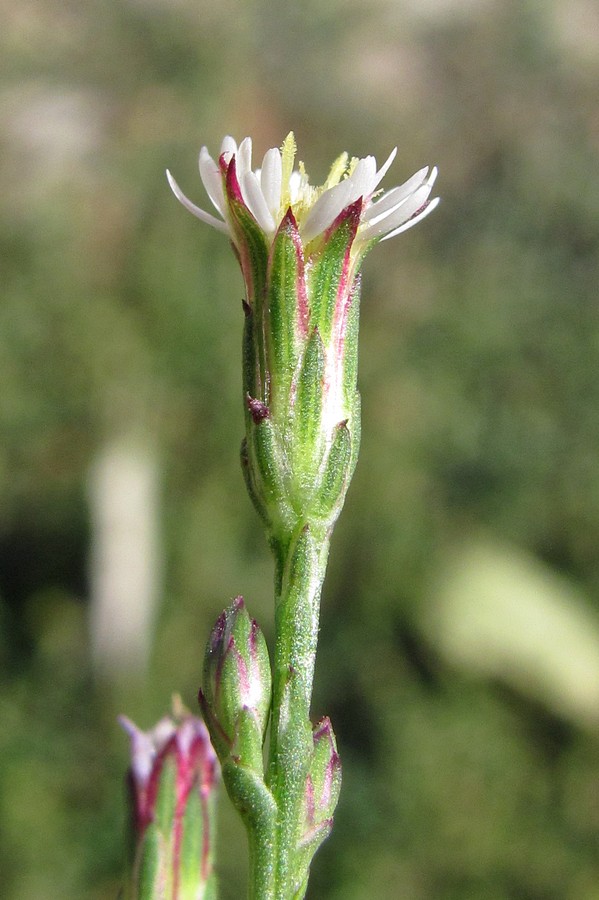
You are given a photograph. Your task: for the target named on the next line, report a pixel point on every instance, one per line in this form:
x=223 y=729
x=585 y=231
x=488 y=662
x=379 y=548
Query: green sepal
x=254 y=252
x=211 y=889
x=249 y=475
x=301 y=891
x=191 y=851
x=350 y=342
x=335 y=479
x=234 y=716
x=355 y=422
x=285 y=310
x=247 y=746
x=321 y=793
x=311 y=842
x=331 y=268
x=325 y=771
x=250 y=357
x=307 y=413
x=270 y=470
x=266 y=452
x=218 y=738
x=151 y=868
x=166 y=797
x=228 y=706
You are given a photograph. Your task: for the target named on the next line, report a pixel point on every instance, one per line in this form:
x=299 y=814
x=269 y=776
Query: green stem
x=261 y=875
x=300 y=568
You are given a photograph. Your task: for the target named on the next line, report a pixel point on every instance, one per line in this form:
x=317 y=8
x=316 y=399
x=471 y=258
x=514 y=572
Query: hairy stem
x=300 y=568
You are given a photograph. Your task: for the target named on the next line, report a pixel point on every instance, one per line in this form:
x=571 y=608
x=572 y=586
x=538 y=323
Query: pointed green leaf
x=294 y=742
x=251 y=797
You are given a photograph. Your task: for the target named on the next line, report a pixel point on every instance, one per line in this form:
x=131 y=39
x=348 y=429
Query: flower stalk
x=300 y=249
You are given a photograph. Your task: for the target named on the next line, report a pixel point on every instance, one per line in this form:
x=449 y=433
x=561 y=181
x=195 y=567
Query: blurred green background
x=459 y=656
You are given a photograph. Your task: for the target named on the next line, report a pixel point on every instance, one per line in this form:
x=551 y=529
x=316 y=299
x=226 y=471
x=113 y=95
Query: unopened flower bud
x=237 y=686
x=172 y=782
x=323 y=784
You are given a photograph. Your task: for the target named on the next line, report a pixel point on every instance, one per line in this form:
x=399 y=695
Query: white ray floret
x=270 y=180
x=213 y=180
x=414 y=220
x=195 y=210
x=256 y=201
x=243 y=158
x=269 y=191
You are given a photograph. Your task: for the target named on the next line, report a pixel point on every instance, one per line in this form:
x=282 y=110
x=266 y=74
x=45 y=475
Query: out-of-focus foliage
x=120 y=316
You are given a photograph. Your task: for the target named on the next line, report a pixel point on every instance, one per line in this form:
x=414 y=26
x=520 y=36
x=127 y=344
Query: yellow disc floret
x=296 y=190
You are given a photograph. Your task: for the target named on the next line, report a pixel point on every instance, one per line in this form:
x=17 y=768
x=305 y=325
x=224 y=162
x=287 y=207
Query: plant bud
x=237 y=686
x=172 y=782
x=323 y=784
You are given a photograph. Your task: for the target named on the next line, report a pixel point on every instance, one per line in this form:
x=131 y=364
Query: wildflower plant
x=300 y=249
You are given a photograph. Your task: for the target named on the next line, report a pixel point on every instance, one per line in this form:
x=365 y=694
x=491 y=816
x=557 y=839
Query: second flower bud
x=236 y=695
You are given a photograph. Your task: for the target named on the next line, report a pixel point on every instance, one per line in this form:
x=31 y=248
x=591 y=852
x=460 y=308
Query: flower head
x=300 y=248
x=276 y=187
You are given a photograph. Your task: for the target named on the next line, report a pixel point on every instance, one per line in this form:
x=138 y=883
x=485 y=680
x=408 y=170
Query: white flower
x=268 y=192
